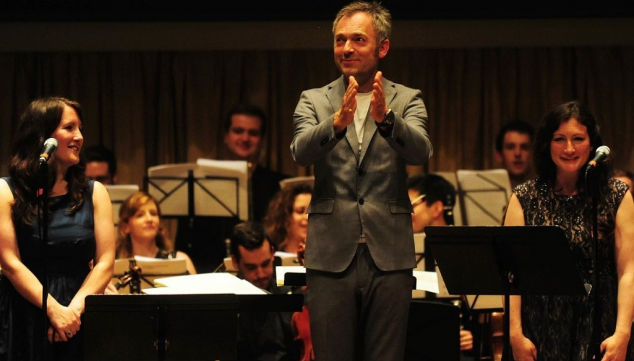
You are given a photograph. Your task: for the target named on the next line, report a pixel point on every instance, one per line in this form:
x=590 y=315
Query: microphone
x=49 y=147
x=600 y=155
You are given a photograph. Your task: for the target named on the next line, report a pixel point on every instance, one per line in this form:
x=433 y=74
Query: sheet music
x=220 y=188
x=419 y=243
x=426 y=281
x=118 y=194
x=238 y=169
x=152 y=266
x=287 y=258
x=280 y=271
x=289 y=182
x=485 y=195
x=204 y=283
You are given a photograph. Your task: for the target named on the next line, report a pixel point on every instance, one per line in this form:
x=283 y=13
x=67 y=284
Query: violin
x=301 y=328
x=300 y=321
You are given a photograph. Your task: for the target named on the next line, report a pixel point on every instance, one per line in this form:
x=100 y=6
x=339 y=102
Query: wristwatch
x=388 y=121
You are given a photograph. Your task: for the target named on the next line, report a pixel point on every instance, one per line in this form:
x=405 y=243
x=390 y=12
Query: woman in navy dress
x=78 y=258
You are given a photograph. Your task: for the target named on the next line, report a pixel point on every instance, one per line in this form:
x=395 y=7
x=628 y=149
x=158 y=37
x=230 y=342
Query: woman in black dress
x=78 y=257
x=560 y=328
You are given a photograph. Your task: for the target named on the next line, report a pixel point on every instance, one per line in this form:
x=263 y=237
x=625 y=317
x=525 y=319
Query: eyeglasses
x=420 y=199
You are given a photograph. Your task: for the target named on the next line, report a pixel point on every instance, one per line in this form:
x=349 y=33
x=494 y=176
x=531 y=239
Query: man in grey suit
x=359 y=132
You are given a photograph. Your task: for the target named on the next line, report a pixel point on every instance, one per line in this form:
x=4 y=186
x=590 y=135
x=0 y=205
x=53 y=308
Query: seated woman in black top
x=140 y=231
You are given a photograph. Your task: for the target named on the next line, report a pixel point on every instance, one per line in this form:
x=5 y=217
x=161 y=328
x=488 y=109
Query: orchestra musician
x=141 y=234
x=514 y=150
x=286 y=220
x=261 y=335
x=204 y=238
x=433 y=198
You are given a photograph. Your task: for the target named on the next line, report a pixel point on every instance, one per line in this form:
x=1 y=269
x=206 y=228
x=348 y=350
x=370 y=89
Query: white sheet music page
x=280 y=271
x=224 y=190
x=426 y=281
x=204 y=283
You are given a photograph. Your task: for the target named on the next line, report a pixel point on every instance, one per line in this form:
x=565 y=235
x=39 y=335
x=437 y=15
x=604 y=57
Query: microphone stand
x=595 y=345
x=42 y=224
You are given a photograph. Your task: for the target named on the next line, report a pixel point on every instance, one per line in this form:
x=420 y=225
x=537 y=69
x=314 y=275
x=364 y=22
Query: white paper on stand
x=220 y=188
x=152 y=266
x=204 y=283
x=426 y=281
x=280 y=271
x=237 y=169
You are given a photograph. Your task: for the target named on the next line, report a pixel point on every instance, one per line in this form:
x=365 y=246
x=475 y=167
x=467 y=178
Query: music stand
x=433 y=332
x=150 y=268
x=166 y=327
x=513 y=260
x=484 y=195
x=207 y=188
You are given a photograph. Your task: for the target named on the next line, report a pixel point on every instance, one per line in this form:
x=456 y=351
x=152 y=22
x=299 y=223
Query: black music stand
x=165 y=327
x=207 y=198
x=433 y=332
x=171 y=327
x=513 y=260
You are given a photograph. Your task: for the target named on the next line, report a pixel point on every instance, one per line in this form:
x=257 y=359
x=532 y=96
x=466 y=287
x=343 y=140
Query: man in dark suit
x=245 y=128
x=204 y=238
x=359 y=132
x=101 y=164
x=261 y=335
x=513 y=150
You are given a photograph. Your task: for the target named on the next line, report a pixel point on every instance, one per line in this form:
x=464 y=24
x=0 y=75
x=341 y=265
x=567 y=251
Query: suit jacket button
x=361 y=201
x=361 y=172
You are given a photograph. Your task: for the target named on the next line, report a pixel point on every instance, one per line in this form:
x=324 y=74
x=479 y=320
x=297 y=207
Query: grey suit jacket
x=360 y=193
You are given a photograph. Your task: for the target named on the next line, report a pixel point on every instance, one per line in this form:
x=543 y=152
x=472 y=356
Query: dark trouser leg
x=385 y=308
x=359 y=314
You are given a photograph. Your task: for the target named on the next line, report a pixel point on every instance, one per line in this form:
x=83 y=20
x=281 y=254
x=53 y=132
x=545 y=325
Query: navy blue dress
x=71 y=248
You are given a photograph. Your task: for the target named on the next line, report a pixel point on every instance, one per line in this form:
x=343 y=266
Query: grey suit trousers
x=360 y=313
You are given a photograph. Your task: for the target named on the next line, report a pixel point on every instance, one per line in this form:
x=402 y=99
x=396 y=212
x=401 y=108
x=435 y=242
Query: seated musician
x=141 y=234
x=286 y=223
x=433 y=197
x=261 y=335
x=286 y=219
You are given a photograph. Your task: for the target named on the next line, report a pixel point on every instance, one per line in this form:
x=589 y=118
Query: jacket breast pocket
x=321 y=206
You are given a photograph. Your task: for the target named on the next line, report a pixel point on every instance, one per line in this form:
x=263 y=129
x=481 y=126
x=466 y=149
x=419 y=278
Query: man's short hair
x=99 y=153
x=249 y=235
x=247 y=109
x=434 y=187
x=516 y=125
x=381 y=17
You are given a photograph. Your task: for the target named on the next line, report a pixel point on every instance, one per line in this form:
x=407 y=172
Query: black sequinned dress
x=561 y=326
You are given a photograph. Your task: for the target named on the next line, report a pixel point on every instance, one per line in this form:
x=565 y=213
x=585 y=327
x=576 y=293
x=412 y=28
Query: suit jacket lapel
x=335 y=93
x=370 y=126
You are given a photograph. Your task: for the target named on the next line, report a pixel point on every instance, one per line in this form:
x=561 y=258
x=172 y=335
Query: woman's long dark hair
x=37 y=123
x=546 y=168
